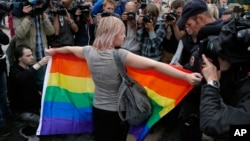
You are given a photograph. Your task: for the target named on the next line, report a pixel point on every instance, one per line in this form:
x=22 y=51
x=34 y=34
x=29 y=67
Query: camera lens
x=131 y=16
x=146 y=18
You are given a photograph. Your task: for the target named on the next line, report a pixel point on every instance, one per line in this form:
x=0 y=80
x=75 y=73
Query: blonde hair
x=213 y=10
x=107 y=30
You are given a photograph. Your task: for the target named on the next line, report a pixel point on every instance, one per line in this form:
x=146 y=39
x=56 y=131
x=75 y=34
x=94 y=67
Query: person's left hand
x=194 y=78
x=209 y=71
x=67 y=16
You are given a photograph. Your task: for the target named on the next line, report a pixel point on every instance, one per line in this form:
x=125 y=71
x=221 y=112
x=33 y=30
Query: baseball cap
x=192 y=8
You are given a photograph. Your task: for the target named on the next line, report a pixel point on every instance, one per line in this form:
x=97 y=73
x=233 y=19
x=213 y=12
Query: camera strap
x=61 y=20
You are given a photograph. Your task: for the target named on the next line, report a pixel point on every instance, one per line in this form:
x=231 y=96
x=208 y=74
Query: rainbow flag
x=68 y=97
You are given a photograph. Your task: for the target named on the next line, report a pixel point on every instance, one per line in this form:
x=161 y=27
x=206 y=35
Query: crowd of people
x=154 y=35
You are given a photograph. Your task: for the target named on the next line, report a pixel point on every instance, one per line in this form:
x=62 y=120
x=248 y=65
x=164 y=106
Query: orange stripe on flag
x=62 y=64
x=163 y=85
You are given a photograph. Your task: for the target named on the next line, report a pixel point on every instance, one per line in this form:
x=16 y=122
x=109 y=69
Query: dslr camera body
x=147 y=18
x=131 y=15
x=144 y=4
x=5 y=7
x=18 y=7
x=231 y=44
x=60 y=9
x=170 y=16
x=85 y=10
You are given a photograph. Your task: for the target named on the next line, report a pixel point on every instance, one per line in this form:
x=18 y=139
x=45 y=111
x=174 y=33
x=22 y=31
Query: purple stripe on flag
x=62 y=126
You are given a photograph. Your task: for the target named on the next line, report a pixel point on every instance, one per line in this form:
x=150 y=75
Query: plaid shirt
x=151 y=41
x=39 y=44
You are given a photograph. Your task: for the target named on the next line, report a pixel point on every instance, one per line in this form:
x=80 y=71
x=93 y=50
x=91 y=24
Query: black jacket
x=22 y=90
x=218 y=113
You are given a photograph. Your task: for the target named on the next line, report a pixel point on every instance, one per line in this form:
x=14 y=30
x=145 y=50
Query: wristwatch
x=214 y=83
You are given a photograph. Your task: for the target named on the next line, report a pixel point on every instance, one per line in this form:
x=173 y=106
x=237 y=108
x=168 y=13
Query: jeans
x=4 y=109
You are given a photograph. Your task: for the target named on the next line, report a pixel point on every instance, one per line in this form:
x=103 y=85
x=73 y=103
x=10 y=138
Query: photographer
x=64 y=25
x=174 y=34
x=84 y=20
x=151 y=32
x=32 y=29
x=129 y=18
x=225 y=98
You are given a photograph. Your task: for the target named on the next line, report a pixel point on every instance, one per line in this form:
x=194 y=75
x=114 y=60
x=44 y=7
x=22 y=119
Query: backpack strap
x=120 y=67
x=124 y=84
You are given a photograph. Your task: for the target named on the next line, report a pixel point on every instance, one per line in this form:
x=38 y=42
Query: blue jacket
x=119 y=9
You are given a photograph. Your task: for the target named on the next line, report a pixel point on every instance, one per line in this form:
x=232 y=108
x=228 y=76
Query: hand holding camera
x=27 y=9
x=170 y=18
x=82 y=11
x=78 y=12
x=209 y=71
x=149 y=26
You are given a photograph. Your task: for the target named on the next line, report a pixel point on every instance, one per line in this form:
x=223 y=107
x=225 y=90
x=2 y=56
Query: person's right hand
x=209 y=71
x=44 y=60
x=248 y=48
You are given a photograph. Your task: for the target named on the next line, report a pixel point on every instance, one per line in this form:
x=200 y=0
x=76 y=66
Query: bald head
x=130 y=6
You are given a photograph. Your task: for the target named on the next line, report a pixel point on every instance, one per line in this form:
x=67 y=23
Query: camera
x=60 y=9
x=85 y=10
x=210 y=46
x=18 y=6
x=231 y=44
x=147 y=18
x=131 y=16
x=105 y=14
x=170 y=16
x=143 y=4
x=6 y=6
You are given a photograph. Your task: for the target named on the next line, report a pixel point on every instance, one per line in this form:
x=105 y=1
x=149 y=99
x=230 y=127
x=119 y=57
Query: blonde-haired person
x=110 y=34
x=213 y=9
